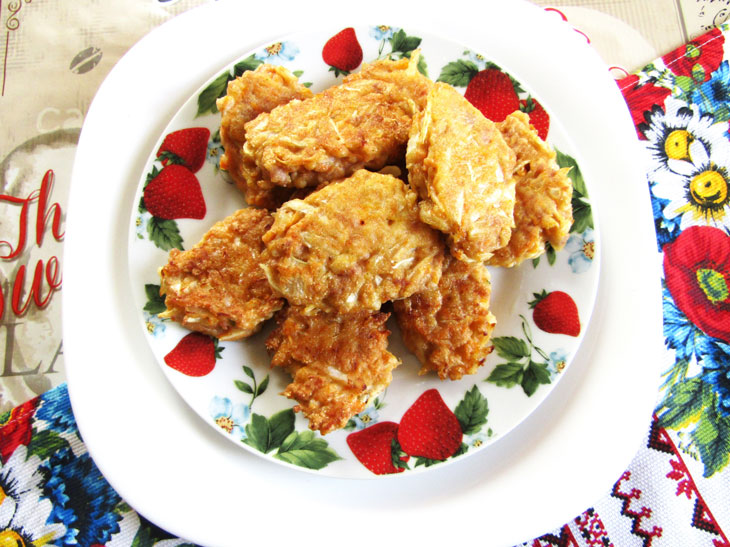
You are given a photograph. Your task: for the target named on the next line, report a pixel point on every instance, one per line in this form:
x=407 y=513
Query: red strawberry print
x=492 y=92
x=539 y=119
x=194 y=354
x=174 y=193
x=342 y=52
x=373 y=447
x=555 y=313
x=429 y=428
x=187 y=147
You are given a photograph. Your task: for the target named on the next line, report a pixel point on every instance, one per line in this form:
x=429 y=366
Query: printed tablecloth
x=675 y=492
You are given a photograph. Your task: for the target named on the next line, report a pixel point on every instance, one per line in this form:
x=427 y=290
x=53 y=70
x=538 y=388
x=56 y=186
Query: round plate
x=181 y=473
x=527 y=363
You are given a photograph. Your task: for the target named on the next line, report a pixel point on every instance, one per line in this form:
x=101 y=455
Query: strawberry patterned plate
x=418 y=423
x=180 y=469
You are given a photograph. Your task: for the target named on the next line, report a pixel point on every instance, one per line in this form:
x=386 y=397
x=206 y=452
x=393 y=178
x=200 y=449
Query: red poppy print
x=699 y=58
x=18 y=429
x=641 y=98
x=697 y=273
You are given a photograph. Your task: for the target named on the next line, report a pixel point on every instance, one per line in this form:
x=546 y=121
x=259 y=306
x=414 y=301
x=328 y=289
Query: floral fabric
x=675 y=492
x=681 y=107
x=51 y=492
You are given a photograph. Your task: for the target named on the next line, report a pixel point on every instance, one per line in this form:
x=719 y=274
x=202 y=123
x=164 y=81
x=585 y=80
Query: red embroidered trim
x=647 y=536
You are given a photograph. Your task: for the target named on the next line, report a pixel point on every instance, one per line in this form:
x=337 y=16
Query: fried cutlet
x=543 y=209
x=461 y=167
x=403 y=73
x=339 y=363
x=449 y=328
x=217 y=287
x=361 y=124
x=352 y=245
x=252 y=93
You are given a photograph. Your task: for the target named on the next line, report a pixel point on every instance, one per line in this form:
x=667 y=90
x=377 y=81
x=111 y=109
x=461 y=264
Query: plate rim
x=81 y=378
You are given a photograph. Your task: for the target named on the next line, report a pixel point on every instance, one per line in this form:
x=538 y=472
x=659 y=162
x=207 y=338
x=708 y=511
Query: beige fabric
x=46 y=87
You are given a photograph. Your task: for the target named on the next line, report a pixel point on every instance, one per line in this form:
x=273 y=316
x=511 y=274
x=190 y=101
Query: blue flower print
x=154 y=325
x=82 y=500
x=667 y=229
x=557 y=362
x=229 y=417
x=714 y=95
x=55 y=410
x=383 y=32
x=680 y=333
x=278 y=51
x=141 y=224
x=215 y=151
x=367 y=417
x=478 y=439
x=582 y=248
x=476 y=58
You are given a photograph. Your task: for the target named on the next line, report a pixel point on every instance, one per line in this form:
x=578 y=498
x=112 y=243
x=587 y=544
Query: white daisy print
x=690 y=165
x=23 y=510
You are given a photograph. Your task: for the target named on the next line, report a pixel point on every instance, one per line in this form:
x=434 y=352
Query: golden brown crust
x=403 y=73
x=543 y=209
x=252 y=93
x=352 y=245
x=461 y=168
x=217 y=287
x=449 y=328
x=363 y=124
x=339 y=363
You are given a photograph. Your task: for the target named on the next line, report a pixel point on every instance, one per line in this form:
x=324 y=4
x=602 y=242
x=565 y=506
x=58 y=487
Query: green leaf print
x=510 y=348
x=579 y=185
x=265 y=434
x=520 y=368
x=304 y=449
x=155 y=301
x=458 y=73
x=258 y=433
x=582 y=212
x=281 y=425
x=685 y=83
x=472 y=411
x=712 y=437
x=401 y=46
x=45 y=443
x=243 y=386
x=535 y=374
x=255 y=390
x=164 y=233
x=506 y=375
x=582 y=216
x=682 y=405
x=307 y=450
x=400 y=42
